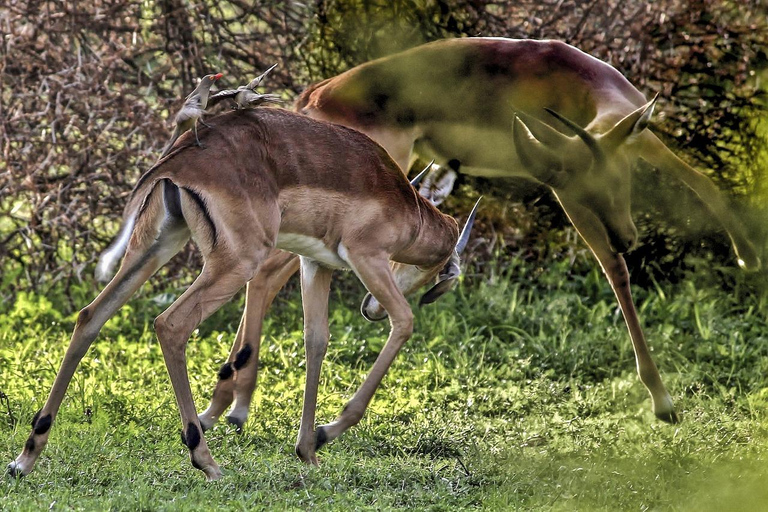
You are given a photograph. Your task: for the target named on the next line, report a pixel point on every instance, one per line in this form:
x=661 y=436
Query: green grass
x=517 y=392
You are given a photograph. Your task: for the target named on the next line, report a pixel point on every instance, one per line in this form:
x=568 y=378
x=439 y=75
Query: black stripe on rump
x=204 y=209
x=172 y=199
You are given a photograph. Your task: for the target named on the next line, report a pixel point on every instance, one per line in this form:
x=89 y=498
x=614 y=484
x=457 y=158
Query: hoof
x=237 y=422
x=15 y=470
x=212 y=473
x=310 y=460
x=670 y=417
x=205 y=422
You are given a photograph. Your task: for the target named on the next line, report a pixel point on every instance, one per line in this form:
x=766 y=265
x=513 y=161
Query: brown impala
x=269 y=179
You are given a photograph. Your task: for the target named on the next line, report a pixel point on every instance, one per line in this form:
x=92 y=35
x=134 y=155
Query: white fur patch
x=313 y=248
x=109 y=258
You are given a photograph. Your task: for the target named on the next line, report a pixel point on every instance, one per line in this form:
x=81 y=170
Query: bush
x=88 y=88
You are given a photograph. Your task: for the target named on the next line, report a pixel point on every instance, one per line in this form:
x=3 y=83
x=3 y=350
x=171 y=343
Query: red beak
x=218 y=75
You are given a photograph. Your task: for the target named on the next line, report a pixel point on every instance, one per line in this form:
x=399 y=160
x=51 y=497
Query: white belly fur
x=311 y=247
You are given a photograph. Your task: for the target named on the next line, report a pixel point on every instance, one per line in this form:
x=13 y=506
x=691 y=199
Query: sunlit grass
x=516 y=392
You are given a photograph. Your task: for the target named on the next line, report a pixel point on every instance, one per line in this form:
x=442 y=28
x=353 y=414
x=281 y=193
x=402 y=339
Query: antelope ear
x=630 y=126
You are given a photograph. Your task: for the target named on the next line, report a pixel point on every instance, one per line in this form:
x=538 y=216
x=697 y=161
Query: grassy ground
x=517 y=392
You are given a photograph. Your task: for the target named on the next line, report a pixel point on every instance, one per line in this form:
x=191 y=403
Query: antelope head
x=591 y=170
x=410 y=278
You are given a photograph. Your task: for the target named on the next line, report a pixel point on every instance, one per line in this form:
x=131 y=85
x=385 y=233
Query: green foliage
x=516 y=392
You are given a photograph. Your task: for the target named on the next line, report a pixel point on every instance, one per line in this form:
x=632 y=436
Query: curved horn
x=415 y=181
x=464 y=237
x=451 y=271
x=589 y=140
x=543 y=132
x=541 y=161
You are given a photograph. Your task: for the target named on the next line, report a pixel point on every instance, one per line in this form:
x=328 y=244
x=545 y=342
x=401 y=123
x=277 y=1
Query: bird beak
x=218 y=75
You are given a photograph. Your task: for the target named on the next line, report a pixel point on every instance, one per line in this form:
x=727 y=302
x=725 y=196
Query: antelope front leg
x=615 y=269
x=237 y=377
x=315 y=286
x=216 y=285
x=375 y=274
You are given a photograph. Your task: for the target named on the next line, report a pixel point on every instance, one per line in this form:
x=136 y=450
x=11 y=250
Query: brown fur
x=290 y=160
x=262 y=173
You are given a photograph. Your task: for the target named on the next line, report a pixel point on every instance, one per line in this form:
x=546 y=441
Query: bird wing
x=256 y=81
x=222 y=95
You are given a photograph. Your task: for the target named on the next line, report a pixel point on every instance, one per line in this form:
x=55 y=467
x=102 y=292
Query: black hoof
x=670 y=417
x=320 y=438
x=237 y=423
x=14 y=471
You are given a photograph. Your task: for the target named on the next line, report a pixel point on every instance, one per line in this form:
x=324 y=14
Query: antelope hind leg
x=237 y=377
x=144 y=256
x=218 y=282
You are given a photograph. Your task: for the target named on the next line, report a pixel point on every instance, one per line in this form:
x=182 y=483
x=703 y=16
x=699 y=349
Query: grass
x=517 y=392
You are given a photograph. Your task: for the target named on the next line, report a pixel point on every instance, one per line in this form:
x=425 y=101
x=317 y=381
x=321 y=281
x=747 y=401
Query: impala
x=268 y=179
x=541 y=110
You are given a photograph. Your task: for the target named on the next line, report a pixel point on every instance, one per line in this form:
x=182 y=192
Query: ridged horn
x=589 y=140
x=464 y=236
x=544 y=133
x=415 y=181
x=533 y=154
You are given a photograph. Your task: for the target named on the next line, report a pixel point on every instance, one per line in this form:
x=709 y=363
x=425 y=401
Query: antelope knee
x=85 y=329
x=83 y=317
x=403 y=325
x=161 y=326
x=165 y=328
